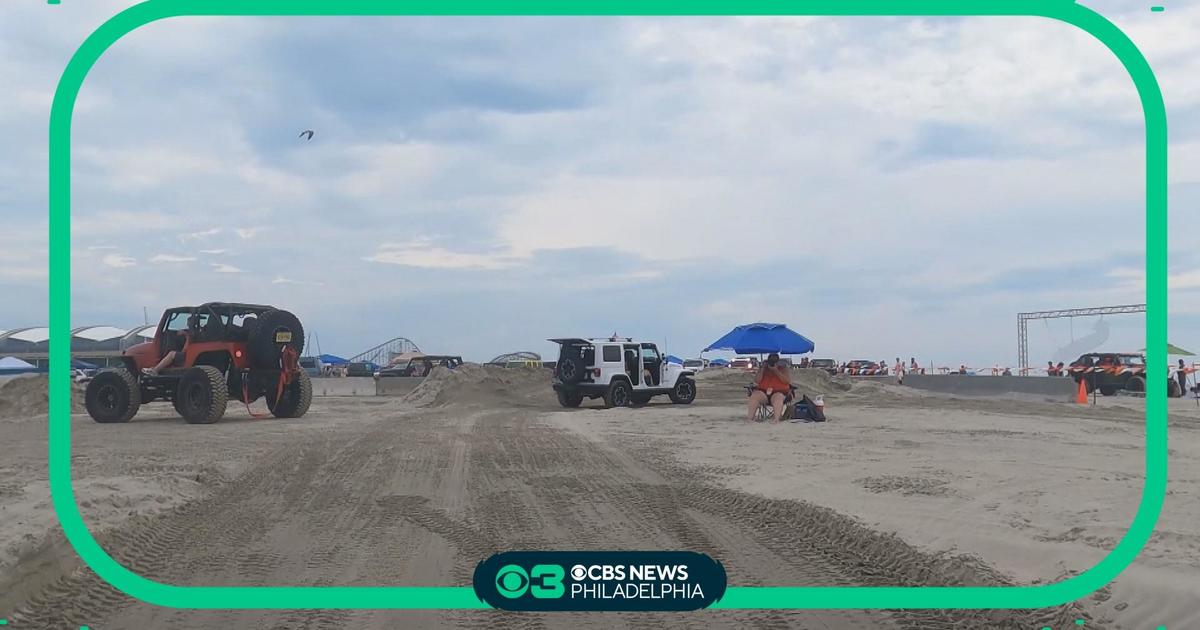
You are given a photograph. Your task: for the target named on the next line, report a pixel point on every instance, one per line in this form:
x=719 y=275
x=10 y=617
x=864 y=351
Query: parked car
x=313 y=365
x=523 y=363
x=361 y=368
x=829 y=365
x=1109 y=372
x=622 y=371
x=744 y=363
x=863 y=367
x=420 y=366
x=695 y=364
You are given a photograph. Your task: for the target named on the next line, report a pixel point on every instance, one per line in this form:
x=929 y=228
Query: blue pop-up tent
x=329 y=359
x=673 y=359
x=761 y=338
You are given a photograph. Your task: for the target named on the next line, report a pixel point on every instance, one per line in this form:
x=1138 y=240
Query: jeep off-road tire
x=569 y=400
x=295 y=400
x=684 y=392
x=202 y=395
x=640 y=399
x=1108 y=390
x=113 y=396
x=1135 y=384
x=263 y=349
x=570 y=370
x=619 y=394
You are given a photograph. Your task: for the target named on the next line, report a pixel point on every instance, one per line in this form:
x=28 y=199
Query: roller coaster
x=386 y=351
x=515 y=356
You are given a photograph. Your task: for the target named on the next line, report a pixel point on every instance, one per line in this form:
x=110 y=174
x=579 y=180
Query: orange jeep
x=222 y=351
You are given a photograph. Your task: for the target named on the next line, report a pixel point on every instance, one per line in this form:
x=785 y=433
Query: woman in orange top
x=771 y=386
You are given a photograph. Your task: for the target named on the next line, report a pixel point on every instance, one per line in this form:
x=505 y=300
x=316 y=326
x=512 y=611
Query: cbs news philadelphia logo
x=599 y=580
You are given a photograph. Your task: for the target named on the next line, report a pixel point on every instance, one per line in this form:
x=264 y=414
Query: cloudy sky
x=886 y=186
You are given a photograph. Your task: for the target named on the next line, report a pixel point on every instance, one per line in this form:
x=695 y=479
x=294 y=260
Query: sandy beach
x=898 y=488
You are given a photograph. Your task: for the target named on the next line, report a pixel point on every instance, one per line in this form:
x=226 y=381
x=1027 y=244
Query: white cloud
x=213 y=252
x=247 y=233
x=168 y=258
x=283 y=280
x=118 y=261
x=200 y=235
x=421 y=253
x=223 y=268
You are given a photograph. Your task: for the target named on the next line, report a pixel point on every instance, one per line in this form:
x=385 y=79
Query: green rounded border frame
x=386 y=597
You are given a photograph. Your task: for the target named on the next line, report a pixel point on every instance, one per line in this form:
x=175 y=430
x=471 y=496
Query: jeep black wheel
x=684 y=392
x=640 y=399
x=570 y=370
x=618 y=394
x=202 y=395
x=274 y=329
x=113 y=396
x=1135 y=384
x=294 y=401
x=1108 y=390
x=569 y=399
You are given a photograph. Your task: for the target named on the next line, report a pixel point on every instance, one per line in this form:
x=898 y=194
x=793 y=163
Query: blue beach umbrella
x=763 y=338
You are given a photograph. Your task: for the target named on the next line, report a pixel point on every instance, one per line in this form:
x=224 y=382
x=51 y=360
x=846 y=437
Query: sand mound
x=474 y=385
x=30 y=396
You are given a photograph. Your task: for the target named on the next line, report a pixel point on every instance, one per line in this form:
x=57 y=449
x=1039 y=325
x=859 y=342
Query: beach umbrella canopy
x=761 y=338
x=14 y=364
x=1175 y=351
x=330 y=359
x=673 y=359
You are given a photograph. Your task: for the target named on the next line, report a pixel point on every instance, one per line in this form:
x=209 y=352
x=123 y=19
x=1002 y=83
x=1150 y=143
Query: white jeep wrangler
x=622 y=371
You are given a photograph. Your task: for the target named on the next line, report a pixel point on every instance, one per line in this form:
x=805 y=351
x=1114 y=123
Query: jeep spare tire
x=570 y=370
x=275 y=329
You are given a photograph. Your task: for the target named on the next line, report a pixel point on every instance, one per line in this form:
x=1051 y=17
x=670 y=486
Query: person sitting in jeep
x=173 y=357
x=771 y=386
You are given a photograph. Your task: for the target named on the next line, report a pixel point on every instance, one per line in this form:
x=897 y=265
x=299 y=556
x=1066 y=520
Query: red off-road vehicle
x=222 y=351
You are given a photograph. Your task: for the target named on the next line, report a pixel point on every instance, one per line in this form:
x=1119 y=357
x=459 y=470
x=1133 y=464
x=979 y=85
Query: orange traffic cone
x=1081 y=397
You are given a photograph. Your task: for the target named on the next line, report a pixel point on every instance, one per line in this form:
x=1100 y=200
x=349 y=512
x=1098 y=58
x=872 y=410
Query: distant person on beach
x=899 y=368
x=912 y=365
x=771 y=387
x=1050 y=369
x=1061 y=370
x=1181 y=375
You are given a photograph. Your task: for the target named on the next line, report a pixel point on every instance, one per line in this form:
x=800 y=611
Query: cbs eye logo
x=543 y=581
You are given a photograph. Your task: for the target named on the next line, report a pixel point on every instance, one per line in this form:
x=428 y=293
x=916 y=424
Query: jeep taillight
x=596 y=372
x=237 y=353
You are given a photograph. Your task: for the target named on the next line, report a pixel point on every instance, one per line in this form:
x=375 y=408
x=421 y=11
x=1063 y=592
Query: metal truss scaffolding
x=1023 y=320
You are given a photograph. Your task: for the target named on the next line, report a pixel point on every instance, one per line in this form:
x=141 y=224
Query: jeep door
x=653 y=362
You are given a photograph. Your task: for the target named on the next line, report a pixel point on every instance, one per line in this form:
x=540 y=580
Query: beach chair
x=764 y=411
